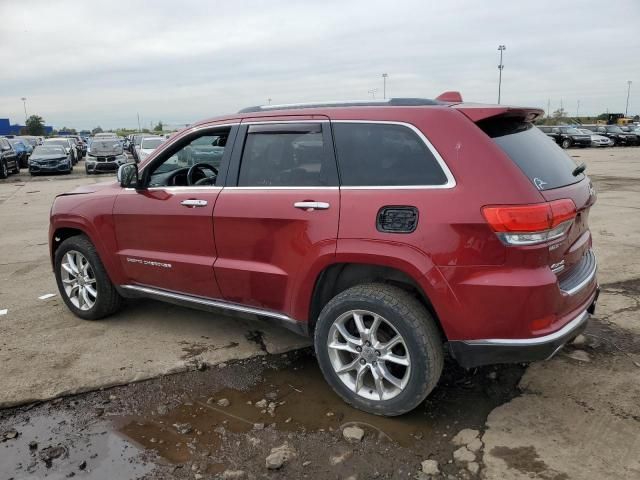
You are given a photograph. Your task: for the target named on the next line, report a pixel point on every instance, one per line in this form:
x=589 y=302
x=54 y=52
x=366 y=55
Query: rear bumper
x=474 y=353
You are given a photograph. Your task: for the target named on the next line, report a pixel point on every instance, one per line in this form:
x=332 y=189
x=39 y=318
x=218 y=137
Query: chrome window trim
x=532 y=342
x=451 y=181
x=282 y=188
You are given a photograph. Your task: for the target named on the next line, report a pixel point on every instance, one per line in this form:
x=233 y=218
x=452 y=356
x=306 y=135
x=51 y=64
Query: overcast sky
x=83 y=63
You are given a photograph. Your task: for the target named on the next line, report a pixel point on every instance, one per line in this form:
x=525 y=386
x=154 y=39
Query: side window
x=371 y=154
x=286 y=155
x=204 y=151
x=601 y=130
x=555 y=130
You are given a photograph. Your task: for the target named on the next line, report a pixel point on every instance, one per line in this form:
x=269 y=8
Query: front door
x=278 y=213
x=165 y=231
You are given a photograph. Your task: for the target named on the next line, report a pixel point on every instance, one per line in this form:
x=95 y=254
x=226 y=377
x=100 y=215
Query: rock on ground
x=234 y=475
x=473 y=467
x=475 y=445
x=465 y=437
x=463 y=454
x=430 y=467
x=279 y=456
x=353 y=434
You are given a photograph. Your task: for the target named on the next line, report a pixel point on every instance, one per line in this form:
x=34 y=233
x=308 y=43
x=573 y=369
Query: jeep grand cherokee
x=387 y=231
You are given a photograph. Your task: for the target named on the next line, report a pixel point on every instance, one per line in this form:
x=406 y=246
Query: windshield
x=15 y=142
x=151 y=143
x=544 y=162
x=49 y=150
x=614 y=129
x=571 y=131
x=62 y=143
x=586 y=132
x=110 y=145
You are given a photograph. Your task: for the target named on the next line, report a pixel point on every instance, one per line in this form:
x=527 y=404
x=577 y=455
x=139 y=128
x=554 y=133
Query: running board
x=207 y=304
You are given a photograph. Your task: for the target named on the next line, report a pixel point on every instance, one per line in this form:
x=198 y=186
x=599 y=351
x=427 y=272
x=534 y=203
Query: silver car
x=597 y=140
x=104 y=155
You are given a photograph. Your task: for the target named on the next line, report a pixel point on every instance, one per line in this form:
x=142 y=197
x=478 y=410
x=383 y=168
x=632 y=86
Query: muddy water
x=302 y=402
x=50 y=445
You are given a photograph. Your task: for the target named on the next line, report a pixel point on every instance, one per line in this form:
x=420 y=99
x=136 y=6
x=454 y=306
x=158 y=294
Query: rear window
x=377 y=154
x=538 y=156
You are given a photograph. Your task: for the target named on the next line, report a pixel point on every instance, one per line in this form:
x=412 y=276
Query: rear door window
x=544 y=162
x=378 y=154
x=287 y=155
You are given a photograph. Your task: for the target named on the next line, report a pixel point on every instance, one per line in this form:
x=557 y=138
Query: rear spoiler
x=478 y=112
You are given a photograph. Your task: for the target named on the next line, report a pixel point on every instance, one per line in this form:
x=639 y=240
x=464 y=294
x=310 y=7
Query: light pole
x=269 y=101
x=626 y=110
x=578 y=110
x=384 y=85
x=24 y=104
x=373 y=92
x=501 y=49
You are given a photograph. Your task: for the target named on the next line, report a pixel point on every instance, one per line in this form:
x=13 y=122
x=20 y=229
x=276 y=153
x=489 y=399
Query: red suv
x=388 y=231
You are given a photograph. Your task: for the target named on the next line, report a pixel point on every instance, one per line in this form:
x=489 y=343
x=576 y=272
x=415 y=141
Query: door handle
x=193 y=203
x=312 y=205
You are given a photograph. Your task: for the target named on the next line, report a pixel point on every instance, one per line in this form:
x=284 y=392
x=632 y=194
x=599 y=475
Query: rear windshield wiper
x=579 y=169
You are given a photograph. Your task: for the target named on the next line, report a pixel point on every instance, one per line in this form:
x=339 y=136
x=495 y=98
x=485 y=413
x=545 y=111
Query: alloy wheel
x=79 y=280
x=369 y=355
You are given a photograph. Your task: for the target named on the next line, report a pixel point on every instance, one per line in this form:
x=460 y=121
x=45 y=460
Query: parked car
x=566 y=136
x=597 y=140
x=68 y=144
x=9 y=162
x=105 y=155
x=135 y=146
x=615 y=133
x=23 y=149
x=410 y=251
x=632 y=130
x=31 y=140
x=50 y=158
x=148 y=145
x=81 y=146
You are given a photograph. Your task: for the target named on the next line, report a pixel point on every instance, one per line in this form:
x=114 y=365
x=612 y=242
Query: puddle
x=53 y=446
x=302 y=402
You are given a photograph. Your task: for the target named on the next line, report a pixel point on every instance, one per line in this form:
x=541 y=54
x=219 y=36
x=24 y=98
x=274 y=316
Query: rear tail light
x=531 y=224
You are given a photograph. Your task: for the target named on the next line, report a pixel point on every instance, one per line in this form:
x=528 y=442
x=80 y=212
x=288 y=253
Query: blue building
x=7 y=129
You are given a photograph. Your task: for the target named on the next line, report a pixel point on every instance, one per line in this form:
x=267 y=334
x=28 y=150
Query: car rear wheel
x=379 y=348
x=4 y=171
x=16 y=166
x=566 y=143
x=82 y=280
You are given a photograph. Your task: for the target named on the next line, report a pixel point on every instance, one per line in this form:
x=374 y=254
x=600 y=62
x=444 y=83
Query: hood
x=99 y=147
x=50 y=156
x=96 y=187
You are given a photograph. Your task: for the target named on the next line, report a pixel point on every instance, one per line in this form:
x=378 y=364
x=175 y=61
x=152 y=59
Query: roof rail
x=392 y=102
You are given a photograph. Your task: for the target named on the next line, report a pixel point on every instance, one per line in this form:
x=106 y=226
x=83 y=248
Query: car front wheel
x=566 y=143
x=379 y=348
x=82 y=280
x=4 y=171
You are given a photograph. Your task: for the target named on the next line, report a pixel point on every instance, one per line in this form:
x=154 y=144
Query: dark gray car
x=50 y=159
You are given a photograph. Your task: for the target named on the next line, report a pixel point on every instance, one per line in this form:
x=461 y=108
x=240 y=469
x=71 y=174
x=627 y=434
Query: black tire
x=16 y=167
x=566 y=143
x=4 y=171
x=614 y=142
x=108 y=300
x=411 y=320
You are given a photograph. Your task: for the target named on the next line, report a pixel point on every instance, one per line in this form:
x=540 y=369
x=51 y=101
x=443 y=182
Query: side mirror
x=128 y=175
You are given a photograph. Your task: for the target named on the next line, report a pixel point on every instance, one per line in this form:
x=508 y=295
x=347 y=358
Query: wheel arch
x=338 y=277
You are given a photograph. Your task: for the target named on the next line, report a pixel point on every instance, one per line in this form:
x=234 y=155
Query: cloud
x=84 y=65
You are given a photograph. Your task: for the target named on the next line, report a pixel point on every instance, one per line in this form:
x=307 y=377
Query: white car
x=597 y=140
x=148 y=145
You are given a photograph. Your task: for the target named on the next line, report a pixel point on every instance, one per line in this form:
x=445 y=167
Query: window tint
x=544 y=162
x=286 y=155
x=371 y=154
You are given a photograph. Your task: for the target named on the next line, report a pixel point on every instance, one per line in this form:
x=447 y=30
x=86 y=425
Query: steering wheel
x=199 y=167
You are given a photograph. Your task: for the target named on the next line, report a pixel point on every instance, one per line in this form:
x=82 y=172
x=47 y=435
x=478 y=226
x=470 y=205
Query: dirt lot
x=576 y=416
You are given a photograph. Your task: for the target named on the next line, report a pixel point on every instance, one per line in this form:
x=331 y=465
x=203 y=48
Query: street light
x=384 y=85
x=501 y=49
x=373 y=92
x=626 y=110
x=24 y=104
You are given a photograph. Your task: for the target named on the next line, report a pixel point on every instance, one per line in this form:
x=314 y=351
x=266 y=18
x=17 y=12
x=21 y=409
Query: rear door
x=279 y=211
